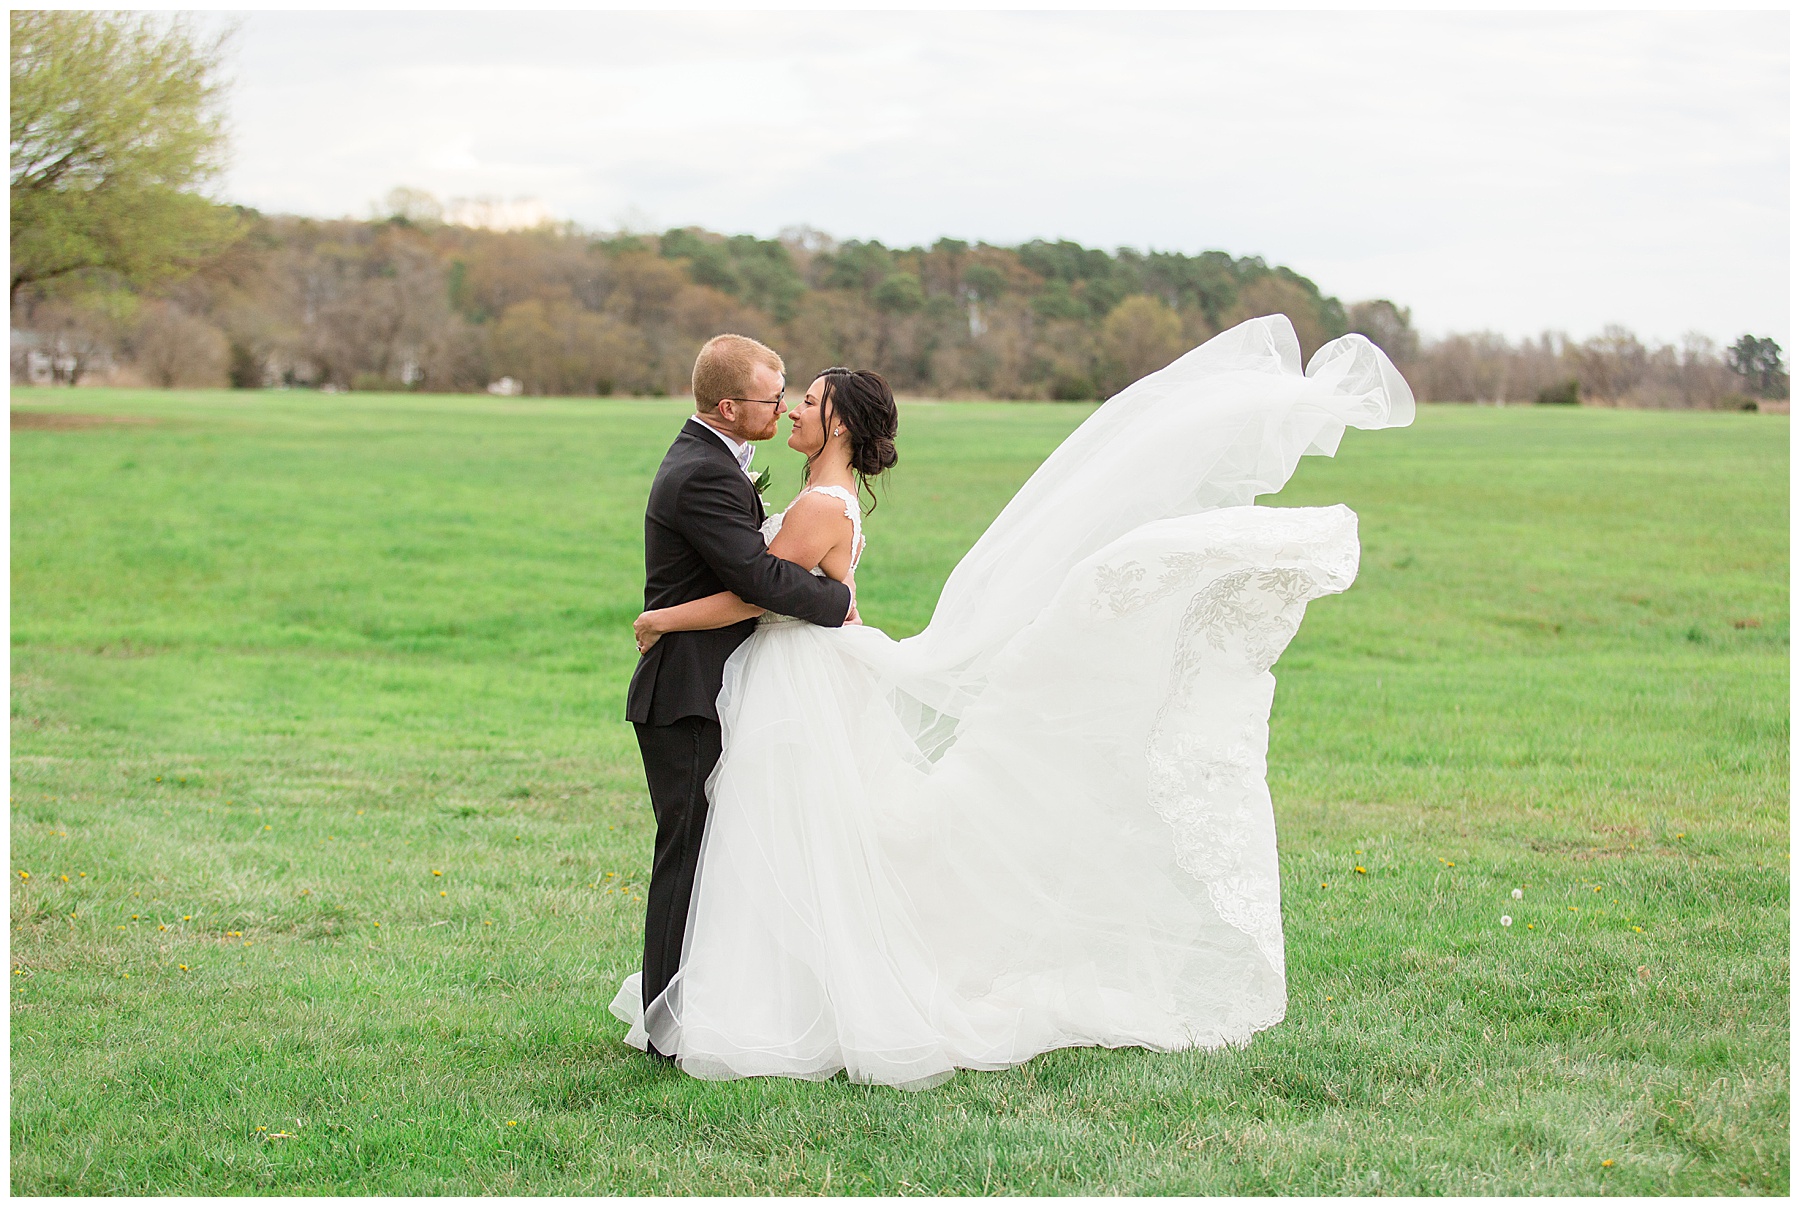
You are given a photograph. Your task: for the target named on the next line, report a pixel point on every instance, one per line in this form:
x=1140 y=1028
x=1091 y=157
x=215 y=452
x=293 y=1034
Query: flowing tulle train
x=1044 y=821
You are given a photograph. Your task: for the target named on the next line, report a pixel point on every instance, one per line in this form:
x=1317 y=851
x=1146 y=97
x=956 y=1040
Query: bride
x=1043 y=821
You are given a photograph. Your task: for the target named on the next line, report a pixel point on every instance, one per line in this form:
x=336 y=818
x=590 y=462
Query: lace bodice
x=852 y=512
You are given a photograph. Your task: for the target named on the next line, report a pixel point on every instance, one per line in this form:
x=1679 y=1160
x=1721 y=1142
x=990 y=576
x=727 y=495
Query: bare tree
x=173 y=348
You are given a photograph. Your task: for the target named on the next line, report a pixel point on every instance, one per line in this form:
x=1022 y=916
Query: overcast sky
x=1517 y=172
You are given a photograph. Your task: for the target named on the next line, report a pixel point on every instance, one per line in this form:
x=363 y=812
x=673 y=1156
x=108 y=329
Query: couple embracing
x=1043 y=821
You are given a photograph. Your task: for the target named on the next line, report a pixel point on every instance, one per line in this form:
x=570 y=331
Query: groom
x=702 y=536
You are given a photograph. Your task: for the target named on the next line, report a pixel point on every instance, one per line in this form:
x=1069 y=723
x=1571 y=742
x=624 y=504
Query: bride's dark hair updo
x=861 y=400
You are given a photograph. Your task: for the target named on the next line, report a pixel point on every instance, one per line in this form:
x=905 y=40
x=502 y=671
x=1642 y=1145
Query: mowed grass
x=317 y=707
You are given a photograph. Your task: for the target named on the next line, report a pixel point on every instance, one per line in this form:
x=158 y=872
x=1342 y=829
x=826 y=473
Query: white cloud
x=1514 y=171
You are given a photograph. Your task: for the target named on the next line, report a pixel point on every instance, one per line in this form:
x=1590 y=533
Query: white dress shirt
x=739 y=448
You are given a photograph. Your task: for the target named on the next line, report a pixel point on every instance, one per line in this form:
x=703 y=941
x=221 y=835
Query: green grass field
x=329 y=839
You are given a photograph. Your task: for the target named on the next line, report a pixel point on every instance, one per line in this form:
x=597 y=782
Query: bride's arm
x=713 y=612
x=814 y=525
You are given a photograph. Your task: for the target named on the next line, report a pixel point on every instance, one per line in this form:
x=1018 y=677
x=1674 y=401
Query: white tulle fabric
x=1043 y=821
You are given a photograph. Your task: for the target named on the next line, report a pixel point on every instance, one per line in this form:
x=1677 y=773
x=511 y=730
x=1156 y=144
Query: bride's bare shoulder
x=816 y=509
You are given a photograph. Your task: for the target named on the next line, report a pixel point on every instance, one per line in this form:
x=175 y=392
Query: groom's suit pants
x=677 y=759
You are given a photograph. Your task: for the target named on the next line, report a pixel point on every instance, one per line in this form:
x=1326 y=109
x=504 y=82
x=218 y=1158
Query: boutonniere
x=759 y=479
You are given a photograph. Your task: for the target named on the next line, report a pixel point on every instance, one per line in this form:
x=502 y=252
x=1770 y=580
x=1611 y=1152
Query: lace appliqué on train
x=1210 y=783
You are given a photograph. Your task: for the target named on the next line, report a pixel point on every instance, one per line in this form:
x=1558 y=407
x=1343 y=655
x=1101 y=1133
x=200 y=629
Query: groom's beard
x=751 y=428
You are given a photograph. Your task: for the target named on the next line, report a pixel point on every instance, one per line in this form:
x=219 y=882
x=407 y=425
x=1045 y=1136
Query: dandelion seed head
x=1518 y=894
x=1505 y=920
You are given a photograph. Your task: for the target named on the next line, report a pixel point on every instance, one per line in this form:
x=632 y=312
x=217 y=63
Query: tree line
x=122 y=272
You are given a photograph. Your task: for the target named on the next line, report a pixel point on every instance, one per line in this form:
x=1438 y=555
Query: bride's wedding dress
x=1043 y=821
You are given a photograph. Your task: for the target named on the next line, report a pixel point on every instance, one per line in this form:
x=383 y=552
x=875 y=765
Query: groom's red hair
x=724 y=368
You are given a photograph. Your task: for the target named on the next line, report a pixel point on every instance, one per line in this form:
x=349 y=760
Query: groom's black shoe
x=658 y=1057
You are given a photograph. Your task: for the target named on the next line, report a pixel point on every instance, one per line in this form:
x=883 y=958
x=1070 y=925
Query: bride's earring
x=838 y=431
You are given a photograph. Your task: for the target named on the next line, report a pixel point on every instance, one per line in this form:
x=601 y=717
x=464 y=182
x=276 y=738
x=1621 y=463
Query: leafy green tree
x=1758 y=362
x=115 y=125
x=857 y=266
x=1057 y=302
x=985 y=282
x=900 y=294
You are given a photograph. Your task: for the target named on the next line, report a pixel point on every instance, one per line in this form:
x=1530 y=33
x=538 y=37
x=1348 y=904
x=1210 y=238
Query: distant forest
x=410 y=302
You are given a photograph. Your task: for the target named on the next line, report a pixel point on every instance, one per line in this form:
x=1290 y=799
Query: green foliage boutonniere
x=759 y=479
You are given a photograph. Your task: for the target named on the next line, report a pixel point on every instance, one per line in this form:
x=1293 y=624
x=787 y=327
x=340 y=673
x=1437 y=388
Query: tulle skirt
x=1085 y=855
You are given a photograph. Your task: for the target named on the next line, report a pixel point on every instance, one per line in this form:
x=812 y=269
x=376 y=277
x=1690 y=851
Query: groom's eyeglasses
x=775 y=401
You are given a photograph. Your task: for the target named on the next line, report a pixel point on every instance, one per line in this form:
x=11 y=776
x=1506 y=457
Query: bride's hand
x=644 y=627
x=851 y=617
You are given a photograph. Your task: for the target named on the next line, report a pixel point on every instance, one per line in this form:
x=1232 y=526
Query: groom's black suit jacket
x=702 y=536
